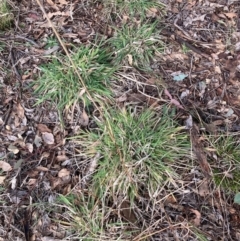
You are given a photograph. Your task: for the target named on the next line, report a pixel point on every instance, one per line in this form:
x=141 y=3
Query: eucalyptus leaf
x=237 y=198
x=18 y=164
x=179 y=77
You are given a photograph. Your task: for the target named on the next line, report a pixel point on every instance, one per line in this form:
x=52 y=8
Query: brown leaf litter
x=36 y=160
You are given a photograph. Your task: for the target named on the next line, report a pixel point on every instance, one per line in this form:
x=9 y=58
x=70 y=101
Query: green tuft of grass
x=137 y=150
x=133 y=8
x=2 y=47
x=136 y=45
x=185 y=49
x=51 y=42
x=60 y=84
x=226 y=175
x=89 y=219
x=6 y=16
x=199 y=234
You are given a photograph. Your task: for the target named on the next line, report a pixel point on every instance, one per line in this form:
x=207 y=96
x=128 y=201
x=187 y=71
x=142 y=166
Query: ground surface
x=197 y=74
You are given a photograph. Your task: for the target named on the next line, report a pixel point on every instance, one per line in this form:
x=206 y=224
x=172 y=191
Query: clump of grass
x=140 y=7
x=6 y=17
x=137 y=150
x=89 y=219
x=227 y=174
x=51 y=42
x=60 y=84
x=136 y=45
x=133 y=8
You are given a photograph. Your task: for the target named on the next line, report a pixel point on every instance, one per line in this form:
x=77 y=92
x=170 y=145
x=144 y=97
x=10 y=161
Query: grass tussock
x=136 y=149
x=90 y=219
x=60 y=84
x=226 y=173
x=138 y=9
x=6 y=16
x=136 y=45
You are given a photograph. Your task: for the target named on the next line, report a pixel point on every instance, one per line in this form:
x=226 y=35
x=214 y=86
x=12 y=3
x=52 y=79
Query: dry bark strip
x=198 y=149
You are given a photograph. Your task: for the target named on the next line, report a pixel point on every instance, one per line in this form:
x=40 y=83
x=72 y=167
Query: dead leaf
x=12 y=138
x=166 y=92
x=170 y=199
x=38 y=141
x=122 y=98
x=176 y=103
x=58 y=13
x=5 y=166
x=52 y=4
x=29 y=147
x=61 y=158
x=13 y=182
x=155 y=10
x=48 y=138
x=84 y=119
x=197 y=219
x=218 y=122
x=136 y=97
x=20 y=111
x=130 y=59
x=189 y=122
x=178 y=56
x=42 y=169
x=2 y=178
x=24 y=60
x=18 y=164
x=13 y=149
x=229 y=113
x=125 y=19
x=199 y=18
x=8 y=127
x=127 y=212
x=220 y=45
x=44 y=155
x=184 y=94
x=231 y=15
x=203 y=188
x=63 y=2
x=64 y=172
x=32 y=17
x=33 y=173
x=43 y=128
x=237 y=46
x=218 y=70
x=152 y=12
x=32 y=181
x=55 y=182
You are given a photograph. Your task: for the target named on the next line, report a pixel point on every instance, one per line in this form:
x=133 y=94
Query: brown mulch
x=203 y=43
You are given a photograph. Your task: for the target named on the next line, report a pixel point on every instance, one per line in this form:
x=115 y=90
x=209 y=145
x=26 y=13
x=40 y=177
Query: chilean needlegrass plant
x=87 y=218
x=132 y=8
x=136 y=45
x=137 y=150
x=60 y=84
x=6 y=16
x=227 y=149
